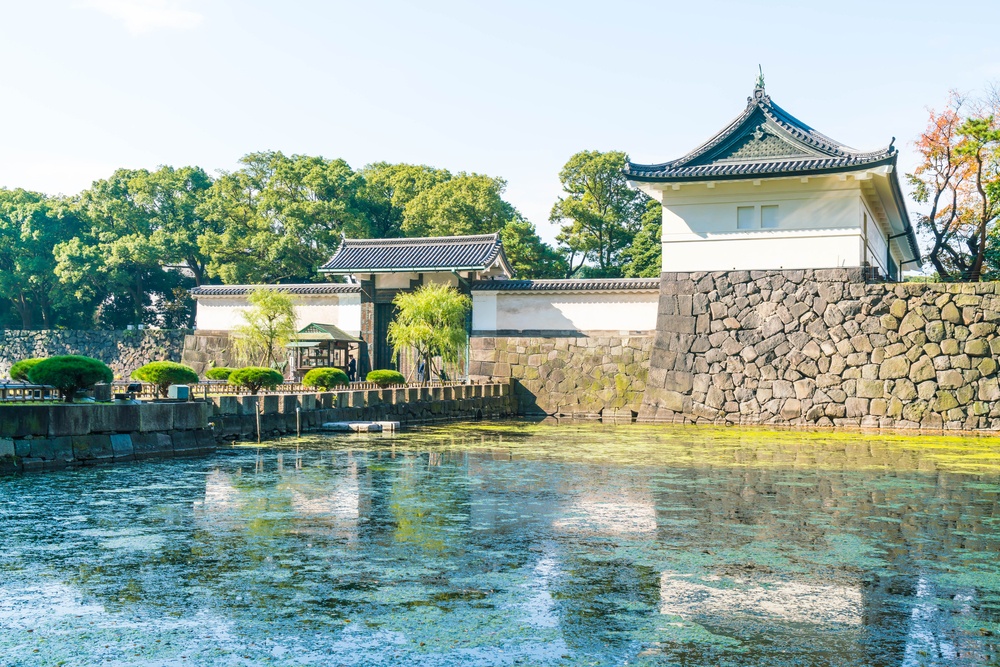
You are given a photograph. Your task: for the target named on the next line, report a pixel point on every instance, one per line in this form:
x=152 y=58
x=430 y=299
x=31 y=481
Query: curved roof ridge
x=797 y=130
x=433 y=240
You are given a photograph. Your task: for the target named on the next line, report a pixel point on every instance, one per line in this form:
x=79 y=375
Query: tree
x=385 y=377
x=279 y=218
x=388 y=188
x=958 y=179
x=19 y=370
x=600 y=214
x=269 y=326
x=165 y=373
x=466 y=204
x=70 y=373
x=325 y=378
x=644 y=256
x=255 y=378
x=529 y=256
x=431 y=321
x=31 y=225
x=137 y=223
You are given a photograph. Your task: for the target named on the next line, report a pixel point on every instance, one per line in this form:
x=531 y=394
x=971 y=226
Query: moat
x=513 y=543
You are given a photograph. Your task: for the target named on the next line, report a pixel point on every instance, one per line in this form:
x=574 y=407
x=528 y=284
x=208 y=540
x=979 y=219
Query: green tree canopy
x=165 y=373
x=280 y=217
x=466 y=204
x=529 y=256
x=70 y=373
x=431 y=321
x=388 y=188
x=31 y=225
x=599 y=213
x=643 y=258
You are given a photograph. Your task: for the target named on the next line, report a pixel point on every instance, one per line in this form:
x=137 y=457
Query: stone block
x=894 y=368
x=156 y=417
x=950 y=379
x=185 y=442
x=191 y=415
x=121 y=446
x=69 y=420
x=271 y=404
x=92 y=448
x=249 y=405
x=870 y=388
x=977 y=347
x=922 y=369
x=227 y=405
x=856 y=407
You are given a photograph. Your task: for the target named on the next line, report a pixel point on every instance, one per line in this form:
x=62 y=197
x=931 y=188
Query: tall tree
x=465 y=204
x=31 y=225
x=529 y=256
x=280 y=217
x=643 y=257
x=958 y=180
x=388 y=188
x=599 y=214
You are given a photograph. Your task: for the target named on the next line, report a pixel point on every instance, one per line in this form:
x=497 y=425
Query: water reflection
x=513 y=544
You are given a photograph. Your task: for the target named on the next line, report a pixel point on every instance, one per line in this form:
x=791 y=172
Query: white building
x=770 y=192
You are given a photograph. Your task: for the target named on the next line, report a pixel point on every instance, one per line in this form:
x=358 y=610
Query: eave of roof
x=301 y=288
x=568 y=285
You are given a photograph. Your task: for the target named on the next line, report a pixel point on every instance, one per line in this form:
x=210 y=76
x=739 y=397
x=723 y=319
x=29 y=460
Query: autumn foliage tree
x=958 y=180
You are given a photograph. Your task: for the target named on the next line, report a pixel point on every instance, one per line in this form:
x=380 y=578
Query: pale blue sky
x=507 y=89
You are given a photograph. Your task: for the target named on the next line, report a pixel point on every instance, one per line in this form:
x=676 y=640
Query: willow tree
x=430 y=321
x=269 y=325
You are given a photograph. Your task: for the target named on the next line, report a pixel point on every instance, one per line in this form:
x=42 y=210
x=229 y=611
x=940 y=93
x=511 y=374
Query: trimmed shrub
x=325 y=378
x=218 y=373
x=384 y=378
x=70 y=373
x=19 y=371
x=255 y=378
x=165 y=373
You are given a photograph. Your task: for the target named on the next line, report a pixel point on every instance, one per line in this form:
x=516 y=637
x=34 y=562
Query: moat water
x=513 y=544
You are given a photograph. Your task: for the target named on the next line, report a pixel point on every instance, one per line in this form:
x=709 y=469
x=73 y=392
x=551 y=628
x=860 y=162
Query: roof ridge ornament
x=759 y=95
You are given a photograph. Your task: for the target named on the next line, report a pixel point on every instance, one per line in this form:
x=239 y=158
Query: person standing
x=352 y=369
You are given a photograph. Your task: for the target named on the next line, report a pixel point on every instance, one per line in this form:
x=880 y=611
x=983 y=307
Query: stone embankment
x=580 y=375
x=824 y=348
x=235 y=417
x=43 y=437
x=123 y=351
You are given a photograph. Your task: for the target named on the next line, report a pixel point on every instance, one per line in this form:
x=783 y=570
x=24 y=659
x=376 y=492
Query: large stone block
x=19 y=421
x=191 y=415
x=156 y=417
x=121 y=446
x=92 y=448
x=69 y=420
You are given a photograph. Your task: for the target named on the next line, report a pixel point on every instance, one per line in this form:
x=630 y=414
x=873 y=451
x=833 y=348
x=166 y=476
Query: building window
x=769 y=217
x=745 y=217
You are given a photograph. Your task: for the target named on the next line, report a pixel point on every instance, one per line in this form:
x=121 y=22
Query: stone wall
x=44 y=437
x=235 y=417
x=207 y=349
x=123 y=351
x=823 y=348
x=581 y=375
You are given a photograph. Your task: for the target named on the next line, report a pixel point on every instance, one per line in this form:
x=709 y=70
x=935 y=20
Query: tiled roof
x=316 y=331
x=764 y=140
x=443 y=253
x=242 y=290
x=586 y=285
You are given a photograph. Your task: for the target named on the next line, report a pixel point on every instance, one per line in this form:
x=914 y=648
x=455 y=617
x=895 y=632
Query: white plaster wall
x=820 y=225
x=563 y=311
x=225 y=313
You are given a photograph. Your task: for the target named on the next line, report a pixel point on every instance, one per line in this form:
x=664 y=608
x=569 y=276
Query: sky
x=507 y=89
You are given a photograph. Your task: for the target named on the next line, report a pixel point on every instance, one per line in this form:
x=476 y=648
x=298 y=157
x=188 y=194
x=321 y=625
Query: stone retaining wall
x=123 y=351
x=567 y=375
x=824 y=348
x=42 y=437
x=235 y=417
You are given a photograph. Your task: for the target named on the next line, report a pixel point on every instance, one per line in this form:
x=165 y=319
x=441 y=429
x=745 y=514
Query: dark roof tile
x=589 y=285
x=242 y=290
x=444 y=253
